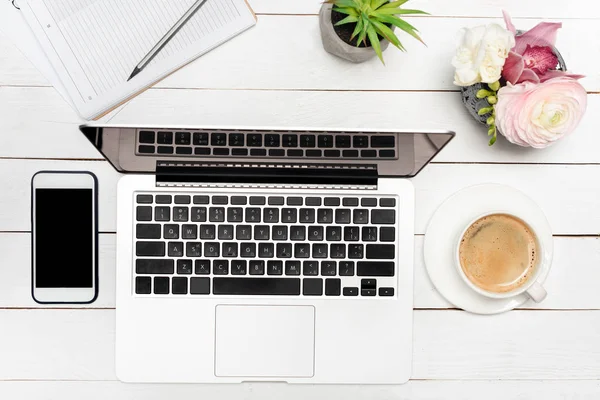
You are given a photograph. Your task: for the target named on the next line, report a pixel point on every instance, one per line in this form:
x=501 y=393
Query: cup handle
x=537 y=292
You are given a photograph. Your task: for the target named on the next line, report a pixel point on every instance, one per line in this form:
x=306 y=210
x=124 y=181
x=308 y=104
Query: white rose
x=481 y=54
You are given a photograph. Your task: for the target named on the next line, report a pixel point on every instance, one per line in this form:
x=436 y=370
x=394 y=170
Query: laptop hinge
x=264 y=175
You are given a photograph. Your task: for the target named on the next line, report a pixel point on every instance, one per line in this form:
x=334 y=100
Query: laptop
x=280 y=255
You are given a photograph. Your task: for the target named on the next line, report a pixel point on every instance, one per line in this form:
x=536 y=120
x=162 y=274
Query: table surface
x=277 y=74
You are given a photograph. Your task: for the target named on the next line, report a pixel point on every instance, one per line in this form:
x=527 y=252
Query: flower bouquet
x=517 y=83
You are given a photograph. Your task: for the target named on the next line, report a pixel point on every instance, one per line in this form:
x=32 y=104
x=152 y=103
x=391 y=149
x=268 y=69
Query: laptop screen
x=257 y=155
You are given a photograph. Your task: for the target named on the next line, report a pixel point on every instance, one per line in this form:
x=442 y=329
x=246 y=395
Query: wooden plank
x=456 y=8
x=560 y=345
x=566 y=193
x=413 y=390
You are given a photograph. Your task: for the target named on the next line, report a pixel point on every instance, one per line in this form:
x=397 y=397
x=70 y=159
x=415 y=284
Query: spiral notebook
x=94 y=44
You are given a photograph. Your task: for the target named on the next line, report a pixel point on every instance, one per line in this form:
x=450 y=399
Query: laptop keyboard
x=210 y=245
x=266 y=144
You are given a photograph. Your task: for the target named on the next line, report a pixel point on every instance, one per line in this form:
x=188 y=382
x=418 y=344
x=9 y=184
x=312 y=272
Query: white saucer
x=449 y=221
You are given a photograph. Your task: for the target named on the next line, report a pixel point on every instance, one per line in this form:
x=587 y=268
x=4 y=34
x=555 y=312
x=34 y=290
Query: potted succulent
x=357 y=30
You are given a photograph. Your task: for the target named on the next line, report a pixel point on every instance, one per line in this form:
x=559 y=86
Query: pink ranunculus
x=537 y=115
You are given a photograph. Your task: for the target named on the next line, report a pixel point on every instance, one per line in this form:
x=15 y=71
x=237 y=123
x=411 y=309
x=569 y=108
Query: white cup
x=532 y=287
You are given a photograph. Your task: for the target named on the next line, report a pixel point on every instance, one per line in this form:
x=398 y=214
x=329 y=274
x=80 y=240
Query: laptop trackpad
x=264 y=341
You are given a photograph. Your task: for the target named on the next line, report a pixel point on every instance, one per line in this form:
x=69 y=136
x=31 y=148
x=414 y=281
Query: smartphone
x=64 y=237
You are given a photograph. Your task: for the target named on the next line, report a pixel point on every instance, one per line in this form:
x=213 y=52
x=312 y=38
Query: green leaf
x=394 y=4
x=492 y=100
x=493 y=140
x=375 y=4
x=347 y=20
x=482 y=94
x=495 y=86
x=403 y=25
x=362 y=38
x=357 y=29
x=345 y=3
x=398 y=11
x=485 y=110
x=387 y=33
x=490 y=121
x=375 y=42
x=347 y=11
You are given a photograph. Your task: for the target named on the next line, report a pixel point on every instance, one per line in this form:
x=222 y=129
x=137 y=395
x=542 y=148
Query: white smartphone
x=64 y=237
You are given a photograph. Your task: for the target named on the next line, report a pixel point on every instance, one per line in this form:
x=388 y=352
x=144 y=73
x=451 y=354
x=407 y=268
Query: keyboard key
x=325 y=215
x=333 y=233
x=337 y=250
x=313 y=153
x=243 y=232
x=289 y=215
x=291 y=201
x=183 y=138
x=239 y=200
x=230 y=249
x=346 y=268
x=383 y=216
x=200 y=286
x=143 y=284
x=171 y=231
x=320 y=250
x=235 y=214
x=295 y=153
x=258 y=152
x=386 y=291
x=162 y=213
x=220 y=200
x=312 y=286
x=368 y=283
x=184 y=267
x=381 y=251
x=360 y=141
x=276 y=201
x=280 y=233
x=332 y=201
x=342 y=216
x=164 y=150
x=325 y=140
x=238 y=267
x=297 y=232
x=180 y=199
x=211 y=249
x=342 y=141
x=315 y=233
x=387 y=153
x=207 y=232
x=239 y=152
x=144 y=198
x=248 y=250
x=368 y=202
x=253 y=215
x=256 y=286
x=331 y=153
x=328 y=268
x=361 y=216
x=368 y=153
x=261 y=232
x=165 y=138
x=310 y=268
x=375 y=268
x=147 y=137
x=257 y=201
x=271 y=215
x=147 y=231
x=351 y=233
x=277 y=153
x=307 y=215
x=301 y=250
x=333 y=287
x=154 y=266
x=387 y=234
x=200 y=199
x=367 y=292
x=179 y=285
x=254 y=140
x=193 y=249
x=202 y=151
x=175 y=249
x=200 y=139
x=355 y=251
x=198 y=214
x=272 y=140
x=220 y=267
x=216 y=214
x=150 y=249
x=220 y=152
x=143 y=213
x=284 y=250
x=292 y=267
x=202 y=267
x=146 y=149
x=350 y=153
x=290 y=141
x=274 y=267
x=350 y=291
x=218 y=139
x=350 y=202
x=307 y=141
x=180 y=214
x=266 y=250
x=383 y=141
x=161 y=285
x=257 y=267
x=236 y=139
x=369 y=234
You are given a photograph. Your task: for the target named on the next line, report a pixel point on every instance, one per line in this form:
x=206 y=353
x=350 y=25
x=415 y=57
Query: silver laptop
x=264 y=254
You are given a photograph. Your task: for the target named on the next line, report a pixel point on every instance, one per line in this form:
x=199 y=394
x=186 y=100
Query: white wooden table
x=278 y=74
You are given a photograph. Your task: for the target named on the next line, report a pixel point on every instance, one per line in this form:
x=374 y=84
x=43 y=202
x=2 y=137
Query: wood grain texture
x=559 y=345
x=566 y=193
x=571 y=284
x=413 y=390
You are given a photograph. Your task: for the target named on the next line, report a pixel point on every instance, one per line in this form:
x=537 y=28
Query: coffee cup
x=499 y=255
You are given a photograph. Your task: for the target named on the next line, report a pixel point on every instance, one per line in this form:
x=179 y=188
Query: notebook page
x=99 y=42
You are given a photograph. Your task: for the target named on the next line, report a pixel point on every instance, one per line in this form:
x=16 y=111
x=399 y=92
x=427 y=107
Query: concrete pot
x=336 y=46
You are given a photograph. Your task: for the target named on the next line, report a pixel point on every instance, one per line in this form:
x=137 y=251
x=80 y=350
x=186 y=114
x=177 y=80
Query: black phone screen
x=64 y=238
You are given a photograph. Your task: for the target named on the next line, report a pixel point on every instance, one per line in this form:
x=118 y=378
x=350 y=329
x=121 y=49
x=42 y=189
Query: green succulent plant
x=373 y=18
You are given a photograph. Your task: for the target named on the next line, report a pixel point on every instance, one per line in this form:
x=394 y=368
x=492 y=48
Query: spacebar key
x=257 y=286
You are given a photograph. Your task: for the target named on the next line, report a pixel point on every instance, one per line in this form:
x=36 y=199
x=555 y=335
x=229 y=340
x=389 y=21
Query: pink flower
x=537 y=115
x=532 y=59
